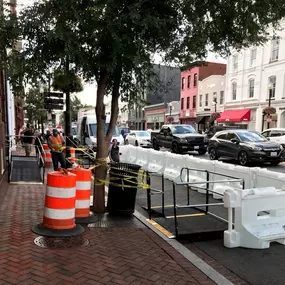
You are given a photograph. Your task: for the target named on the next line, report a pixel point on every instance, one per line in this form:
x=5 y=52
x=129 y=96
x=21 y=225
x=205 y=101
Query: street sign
x=53 y=107
x=48 y=100
x=54 y=95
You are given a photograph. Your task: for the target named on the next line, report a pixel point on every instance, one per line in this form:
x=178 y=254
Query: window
x=183 y=83
x=200 y=100
x=195 y=79
x=251 y=88
x=186 y=129
x=266 y=134
x=182 y=103
x=188 y=103
x=222 y=136
x=93 y=130
x=222 y=97
x=234 y=91
x=189 y=81
x=232 y=136
x=194 y=102
x=274 y=49
x=235 y=62
x=271 y=87
x=252 y=57
x=206 y=99
x=276 y=133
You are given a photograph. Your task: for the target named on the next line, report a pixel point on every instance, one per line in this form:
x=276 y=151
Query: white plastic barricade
x=265 y=178
x=237 y=171
x=173 y=165
x=142 y=156
x=251 y=229
x=128 y=154
x=220 y=188
x=124 y=153
x=156 y=162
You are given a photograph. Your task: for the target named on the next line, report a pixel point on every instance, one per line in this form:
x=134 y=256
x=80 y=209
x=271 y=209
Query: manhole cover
x=61 y=242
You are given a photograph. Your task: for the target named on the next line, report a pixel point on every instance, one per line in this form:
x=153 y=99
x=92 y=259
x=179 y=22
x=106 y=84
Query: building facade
x=190 y=79
x=256 y=80
x=211 y=92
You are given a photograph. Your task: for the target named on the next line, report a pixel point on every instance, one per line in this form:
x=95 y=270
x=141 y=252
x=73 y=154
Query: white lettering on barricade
x=156 y=161
x=253 y=229
x=173 y=165
x=265 y=178
x=142 y=157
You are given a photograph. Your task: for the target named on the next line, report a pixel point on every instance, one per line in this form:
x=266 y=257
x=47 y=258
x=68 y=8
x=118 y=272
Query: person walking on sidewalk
x=28 y=139
x=55 y=143
x=115 y=151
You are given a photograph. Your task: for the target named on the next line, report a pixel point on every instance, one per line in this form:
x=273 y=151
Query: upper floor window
x=252 y=57
x=235 y=62
x=188 y=103
x=206 y=99
x=251 y=88
x=195 y=79
x=182 y=103
x=222 y=97
x=183 y=83
x=200 y=100
x=234 y=91
x=274 y=49
x=194 y=102
x=271 y=86
x=189 y=81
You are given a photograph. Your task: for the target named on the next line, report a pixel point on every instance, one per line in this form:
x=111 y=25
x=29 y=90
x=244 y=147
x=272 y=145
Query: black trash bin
x=123 y=188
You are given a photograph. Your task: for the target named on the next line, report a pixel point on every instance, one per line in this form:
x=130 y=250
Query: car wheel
x=275 y=162
x=175 y=148
x=136 y=144
x=201 y=152
x=155 y=145
x=213 y=154
x=243 y=158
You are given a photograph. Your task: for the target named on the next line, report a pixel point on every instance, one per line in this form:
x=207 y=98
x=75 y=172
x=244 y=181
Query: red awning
x=235 y=116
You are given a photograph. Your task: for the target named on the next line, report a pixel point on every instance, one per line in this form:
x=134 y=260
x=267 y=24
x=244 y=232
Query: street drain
x=61 y=242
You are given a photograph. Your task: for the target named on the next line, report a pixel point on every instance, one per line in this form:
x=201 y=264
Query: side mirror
x=236 y=141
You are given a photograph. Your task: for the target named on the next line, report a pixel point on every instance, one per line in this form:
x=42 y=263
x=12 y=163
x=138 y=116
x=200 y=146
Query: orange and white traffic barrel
x=48 y=159
x=83 y=193
x=72 y=154
x=59 y=211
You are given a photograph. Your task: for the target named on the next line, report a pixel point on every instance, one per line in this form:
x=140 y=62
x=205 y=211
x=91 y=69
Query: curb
x=189 y=255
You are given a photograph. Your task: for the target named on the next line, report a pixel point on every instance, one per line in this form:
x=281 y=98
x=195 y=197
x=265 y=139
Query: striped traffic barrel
x=59 y=212
x=72 y=154
x=83 y=191
x=48 y=159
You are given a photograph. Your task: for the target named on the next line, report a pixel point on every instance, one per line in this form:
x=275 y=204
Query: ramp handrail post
x=162 y=194
x=174 y=209
x=148 y=195
x=207 y=191
x=230 y=219
x=188 y=180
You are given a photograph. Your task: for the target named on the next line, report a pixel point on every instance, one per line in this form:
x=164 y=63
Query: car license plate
x=273 y=153
x=196 y=147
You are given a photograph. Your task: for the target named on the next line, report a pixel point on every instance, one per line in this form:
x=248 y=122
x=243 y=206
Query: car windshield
x=251 y=137
x=93 y=130
x=143 y=134
x=183 y=130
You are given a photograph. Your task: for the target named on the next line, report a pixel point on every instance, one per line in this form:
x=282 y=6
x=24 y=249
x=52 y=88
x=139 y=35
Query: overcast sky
x=88 y=96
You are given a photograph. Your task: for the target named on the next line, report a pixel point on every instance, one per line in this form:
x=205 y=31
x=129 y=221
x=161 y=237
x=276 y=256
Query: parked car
x=139 y=138
x=179 y=138
x=214 y=129
x=275 y=135
x=245 y=147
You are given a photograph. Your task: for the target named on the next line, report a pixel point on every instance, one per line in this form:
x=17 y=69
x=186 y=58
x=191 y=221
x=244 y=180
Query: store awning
x=235 y=116
x=199 y=119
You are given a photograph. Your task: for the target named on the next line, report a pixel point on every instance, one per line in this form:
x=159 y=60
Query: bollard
x=48 y=159
x=83 y=193
x=59 y=212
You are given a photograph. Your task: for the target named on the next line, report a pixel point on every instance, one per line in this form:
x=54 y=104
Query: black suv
x=214 y=129
x=245 y=147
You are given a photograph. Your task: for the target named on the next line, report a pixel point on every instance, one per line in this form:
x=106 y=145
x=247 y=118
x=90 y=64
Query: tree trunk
x=102 y=147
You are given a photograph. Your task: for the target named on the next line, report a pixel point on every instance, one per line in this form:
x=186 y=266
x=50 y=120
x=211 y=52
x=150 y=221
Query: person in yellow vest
x=56 y=145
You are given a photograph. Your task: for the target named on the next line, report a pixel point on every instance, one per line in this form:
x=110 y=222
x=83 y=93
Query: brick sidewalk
x=114 y=255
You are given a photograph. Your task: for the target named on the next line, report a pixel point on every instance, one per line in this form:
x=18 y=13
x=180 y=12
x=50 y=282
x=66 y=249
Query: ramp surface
x=25 y=169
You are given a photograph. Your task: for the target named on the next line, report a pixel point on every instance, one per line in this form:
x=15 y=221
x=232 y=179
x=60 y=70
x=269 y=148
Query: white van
x=87 y=130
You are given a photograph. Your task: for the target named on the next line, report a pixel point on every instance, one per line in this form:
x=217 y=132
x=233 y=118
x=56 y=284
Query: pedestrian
x=115 y=151
x=55 y=143
x=28 y=139
x=48 y=134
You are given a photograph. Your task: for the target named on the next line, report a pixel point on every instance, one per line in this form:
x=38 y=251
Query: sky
x=88 y=95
